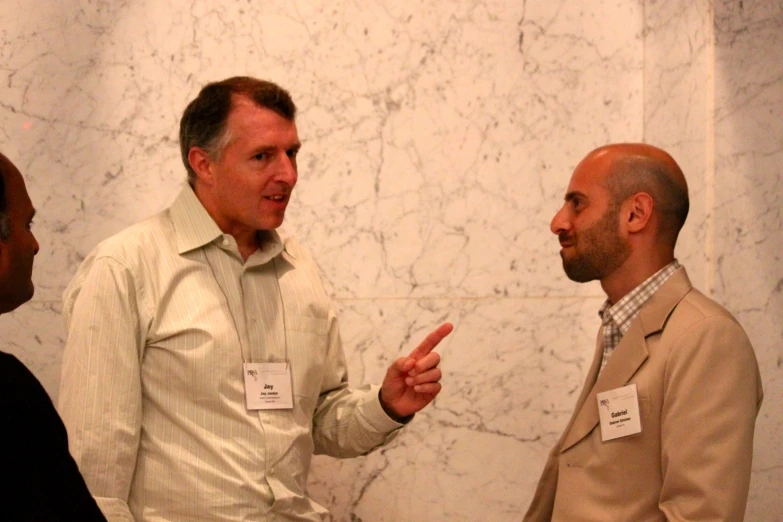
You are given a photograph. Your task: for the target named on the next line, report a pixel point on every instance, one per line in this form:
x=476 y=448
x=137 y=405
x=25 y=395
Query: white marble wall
x=678 y=79
x=714 y=97
x=438 y=137
x=748 y=186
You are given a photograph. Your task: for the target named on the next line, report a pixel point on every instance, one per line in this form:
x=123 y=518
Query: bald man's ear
x=200 y=162
x=637 y=212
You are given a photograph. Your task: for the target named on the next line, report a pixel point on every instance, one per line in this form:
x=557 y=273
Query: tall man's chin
x=280 y=218
x=271 y=224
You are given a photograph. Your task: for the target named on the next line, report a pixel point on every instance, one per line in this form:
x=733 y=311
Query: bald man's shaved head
x=638 y=167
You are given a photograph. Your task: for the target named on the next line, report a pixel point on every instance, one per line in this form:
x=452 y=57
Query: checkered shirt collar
x=626 y=309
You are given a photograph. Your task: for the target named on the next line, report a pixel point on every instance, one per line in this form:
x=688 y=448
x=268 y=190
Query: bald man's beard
x=598 y=250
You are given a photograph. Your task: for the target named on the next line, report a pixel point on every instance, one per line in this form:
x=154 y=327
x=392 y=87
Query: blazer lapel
x=592 y=374
x=628 y=357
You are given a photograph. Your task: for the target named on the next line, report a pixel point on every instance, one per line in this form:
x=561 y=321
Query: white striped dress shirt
x=160 y=319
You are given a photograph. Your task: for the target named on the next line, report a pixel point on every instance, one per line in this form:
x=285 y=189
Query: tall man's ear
x=638 y=211
x=200 y=162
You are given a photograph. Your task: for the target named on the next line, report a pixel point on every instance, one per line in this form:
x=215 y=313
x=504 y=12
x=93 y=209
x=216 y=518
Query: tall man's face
x=588 y=223
x=20 y=247
x=251 y=182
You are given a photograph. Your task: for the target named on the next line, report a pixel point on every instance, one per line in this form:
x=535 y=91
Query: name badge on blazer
x=618 y=411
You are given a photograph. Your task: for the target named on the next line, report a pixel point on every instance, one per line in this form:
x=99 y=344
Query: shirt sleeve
x=348 y=422
x=712 y=395
x=100 y=388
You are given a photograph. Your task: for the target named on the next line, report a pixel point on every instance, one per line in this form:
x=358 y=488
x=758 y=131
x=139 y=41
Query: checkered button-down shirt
x=617 y=318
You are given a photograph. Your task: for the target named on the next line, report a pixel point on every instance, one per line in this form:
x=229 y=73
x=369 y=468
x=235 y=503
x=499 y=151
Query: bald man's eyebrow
x=570 y=196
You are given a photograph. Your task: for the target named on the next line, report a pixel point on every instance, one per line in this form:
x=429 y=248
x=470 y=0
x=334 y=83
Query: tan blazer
x=699 y=393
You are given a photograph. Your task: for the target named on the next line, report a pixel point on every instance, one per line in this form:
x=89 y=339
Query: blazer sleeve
x=712 y=393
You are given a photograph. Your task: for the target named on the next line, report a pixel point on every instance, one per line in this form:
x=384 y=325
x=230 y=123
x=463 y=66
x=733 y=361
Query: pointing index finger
x=431 y=341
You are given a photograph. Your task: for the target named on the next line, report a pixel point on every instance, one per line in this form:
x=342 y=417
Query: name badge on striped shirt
x=268 y=386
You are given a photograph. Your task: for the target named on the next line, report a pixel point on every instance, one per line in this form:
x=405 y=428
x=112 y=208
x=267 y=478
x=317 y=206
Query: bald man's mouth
x=566 y=241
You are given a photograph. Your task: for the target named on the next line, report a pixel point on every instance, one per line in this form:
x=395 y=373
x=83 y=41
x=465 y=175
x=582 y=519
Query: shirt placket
x=266 y=336
x=611 y=334
x=227 y=269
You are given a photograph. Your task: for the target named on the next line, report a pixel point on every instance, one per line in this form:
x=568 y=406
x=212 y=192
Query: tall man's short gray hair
x=203 y=123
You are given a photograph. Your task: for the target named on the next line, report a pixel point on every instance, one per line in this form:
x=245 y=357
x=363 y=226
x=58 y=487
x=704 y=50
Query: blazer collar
x=629 y=355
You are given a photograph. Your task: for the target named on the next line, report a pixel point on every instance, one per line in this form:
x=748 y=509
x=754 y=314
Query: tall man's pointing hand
x=411 y=382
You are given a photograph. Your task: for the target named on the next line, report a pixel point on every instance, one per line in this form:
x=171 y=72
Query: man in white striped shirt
x=203 y=365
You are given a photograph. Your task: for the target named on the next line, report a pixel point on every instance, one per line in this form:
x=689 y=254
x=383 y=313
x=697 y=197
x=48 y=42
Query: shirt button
x=225 y=241
x=272 y=471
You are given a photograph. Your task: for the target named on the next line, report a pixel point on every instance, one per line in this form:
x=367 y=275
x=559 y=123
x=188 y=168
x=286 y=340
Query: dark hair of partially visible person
x=5 y=222
x=203 y=122
x=641 y=174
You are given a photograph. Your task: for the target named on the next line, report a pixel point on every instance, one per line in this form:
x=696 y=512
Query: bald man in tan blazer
x=687 y=362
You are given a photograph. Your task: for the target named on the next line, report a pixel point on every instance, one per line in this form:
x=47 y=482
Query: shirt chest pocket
x=306 y=344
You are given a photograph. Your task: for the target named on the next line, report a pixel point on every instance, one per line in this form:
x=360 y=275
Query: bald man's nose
x=559 y=223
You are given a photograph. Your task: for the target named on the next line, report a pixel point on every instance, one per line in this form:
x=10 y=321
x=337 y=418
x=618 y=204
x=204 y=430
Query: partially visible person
x=203 y=366
x=40 y=479
x=663 y=428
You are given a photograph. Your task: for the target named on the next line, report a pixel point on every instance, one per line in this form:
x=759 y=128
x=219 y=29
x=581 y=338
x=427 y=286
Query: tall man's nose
x=287 y=170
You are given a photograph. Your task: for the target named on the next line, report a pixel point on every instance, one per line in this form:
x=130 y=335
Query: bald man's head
x=638 y=167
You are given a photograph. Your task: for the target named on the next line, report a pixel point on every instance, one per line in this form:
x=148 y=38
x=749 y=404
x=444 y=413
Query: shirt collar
x=195 y=228
x=626 y=309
